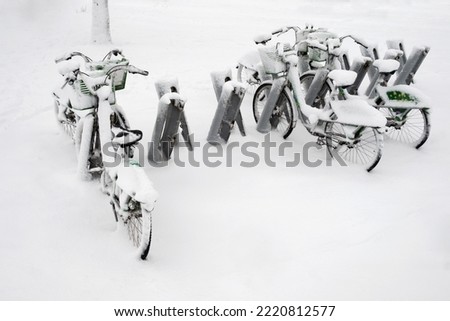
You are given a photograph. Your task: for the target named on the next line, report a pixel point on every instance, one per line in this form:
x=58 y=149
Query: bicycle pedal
x=320 y=141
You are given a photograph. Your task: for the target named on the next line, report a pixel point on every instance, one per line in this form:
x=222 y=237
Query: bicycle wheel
x=67 y=121
x=282 y=119
x=408 y=126
x=323 y=95
x=250 y=77
x=138 y=222
x=365 y=149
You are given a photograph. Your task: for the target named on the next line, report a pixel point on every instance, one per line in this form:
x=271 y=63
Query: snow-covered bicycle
x=406 y=109
x=105 y=142
x=315 y=47
x=72 y=95
x=350 y=129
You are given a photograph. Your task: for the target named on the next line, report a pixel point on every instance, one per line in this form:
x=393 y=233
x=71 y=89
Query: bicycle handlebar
x=114 y=52
x=68 y=56
x=357 y=40
x=282 y=30
x=129 y=68
x=72 y=54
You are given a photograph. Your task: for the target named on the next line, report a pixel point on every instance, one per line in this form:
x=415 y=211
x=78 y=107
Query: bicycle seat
x=126 y=137
x=386 y=66
x=262 y=39
x=342 y=78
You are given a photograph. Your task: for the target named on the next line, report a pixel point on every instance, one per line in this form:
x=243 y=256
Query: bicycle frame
x=304 y=44
x=89 y=94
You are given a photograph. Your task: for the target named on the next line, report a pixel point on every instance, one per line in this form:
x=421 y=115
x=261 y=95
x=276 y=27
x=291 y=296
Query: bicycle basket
x=317 y=54
x=318 y=45
x=119 y=77
x=271 y=60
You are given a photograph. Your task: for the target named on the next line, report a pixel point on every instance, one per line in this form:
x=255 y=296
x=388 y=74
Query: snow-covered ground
x=226 y=233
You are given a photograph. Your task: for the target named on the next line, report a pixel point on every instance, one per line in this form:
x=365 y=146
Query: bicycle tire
x=283 y=107
x=69 y=125
x=367 y=151
x=414 y=129
x=320 y=101
x=244 y=76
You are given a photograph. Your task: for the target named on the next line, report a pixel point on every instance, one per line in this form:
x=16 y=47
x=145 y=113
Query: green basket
x=119 y=78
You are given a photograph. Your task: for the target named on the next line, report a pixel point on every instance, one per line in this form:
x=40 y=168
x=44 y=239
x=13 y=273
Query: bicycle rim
x=282 y=119
x=412 y=128
x=139 y=227
x=364 y=150
x=249 y=77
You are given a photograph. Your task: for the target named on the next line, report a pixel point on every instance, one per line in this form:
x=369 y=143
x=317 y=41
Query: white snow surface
x=357 y=112
x=225 y=233
x=342 y=77
x=386 y=65
x=132 y=179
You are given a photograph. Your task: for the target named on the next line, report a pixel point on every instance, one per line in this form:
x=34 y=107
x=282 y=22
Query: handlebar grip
x=116 y=52
x=135 y=70
x=63 y=57
x=277 y=31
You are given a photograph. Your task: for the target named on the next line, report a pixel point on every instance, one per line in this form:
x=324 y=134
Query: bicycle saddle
x=342 y=78
x=126 y=137
x=386 y=66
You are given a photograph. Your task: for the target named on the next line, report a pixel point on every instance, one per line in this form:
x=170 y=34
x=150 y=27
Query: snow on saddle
x=342 y=78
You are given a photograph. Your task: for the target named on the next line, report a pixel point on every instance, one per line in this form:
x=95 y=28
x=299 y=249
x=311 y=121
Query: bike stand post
x=264 y=125
x=360 y=65
x=372 y=53
x=370 y=91
x=412 y=64
x=344 y=60
x=303 y=63
x=398 y=45
x=169 y=120
x=316 y=86
x=229 y=95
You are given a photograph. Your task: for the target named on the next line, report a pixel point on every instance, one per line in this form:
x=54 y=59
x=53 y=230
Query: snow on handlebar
x=135 y=70
x=356 y=39
x=69 y=56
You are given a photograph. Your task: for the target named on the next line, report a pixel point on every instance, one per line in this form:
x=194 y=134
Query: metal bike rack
x=372 y=53
x=316 y=85
x=228 y=109
x=345 y=60
x=170 y=119
x=412 y=64
x=398 y=45
x=370 y=91
x=264 y=125
x=361 y=67
x=303 y=62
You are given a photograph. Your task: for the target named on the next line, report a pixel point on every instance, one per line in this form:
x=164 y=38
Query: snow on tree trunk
x=100 y=22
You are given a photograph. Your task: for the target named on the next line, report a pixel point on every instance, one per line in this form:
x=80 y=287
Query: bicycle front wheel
x=138 y=222
x=250 y=77
x=365 y=149
x=67 y=120
x=411 y=127
x=282 y=119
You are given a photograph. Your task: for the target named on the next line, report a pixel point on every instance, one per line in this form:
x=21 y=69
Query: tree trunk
x=100 y=22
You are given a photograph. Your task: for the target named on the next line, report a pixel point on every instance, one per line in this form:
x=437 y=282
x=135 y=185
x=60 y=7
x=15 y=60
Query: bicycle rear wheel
x=408 y=126
x=134 y=216
x=364 y=149
x=139 y=226
x=282 y=119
